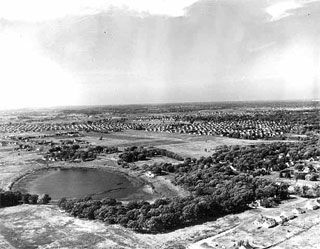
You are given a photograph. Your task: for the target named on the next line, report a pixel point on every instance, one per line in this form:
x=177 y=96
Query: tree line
x=75 y=152
x=14 y=198
x=134 y=153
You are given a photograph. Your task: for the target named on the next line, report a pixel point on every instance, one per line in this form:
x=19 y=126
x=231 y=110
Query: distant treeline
x=186 y=107
x=134 y=153
x=74 y=152
x=14 y=198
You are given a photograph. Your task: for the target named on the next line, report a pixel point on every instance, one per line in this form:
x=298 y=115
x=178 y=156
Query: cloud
x=280 y=10
x=284 y=9
x=41 y=10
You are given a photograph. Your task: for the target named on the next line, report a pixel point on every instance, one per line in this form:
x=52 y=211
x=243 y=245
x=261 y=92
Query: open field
x=186 y=145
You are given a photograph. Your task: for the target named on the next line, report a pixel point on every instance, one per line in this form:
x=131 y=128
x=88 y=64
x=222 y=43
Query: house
x=291 y=189
x=266 y=222
x=150 y=174
x=288 y=216
x=310 y=205
x=269 y=222
x=298 y=211
x=243 y=245
x=254 y=204
x=280 y=219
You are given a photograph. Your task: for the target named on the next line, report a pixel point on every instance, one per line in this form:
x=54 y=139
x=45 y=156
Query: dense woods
x=134 y=153
x=272 y=156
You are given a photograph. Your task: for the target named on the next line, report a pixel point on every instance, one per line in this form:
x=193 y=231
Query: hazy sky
x=79 y=52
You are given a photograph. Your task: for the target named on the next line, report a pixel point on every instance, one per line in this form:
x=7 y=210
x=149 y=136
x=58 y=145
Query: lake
x=78 y=183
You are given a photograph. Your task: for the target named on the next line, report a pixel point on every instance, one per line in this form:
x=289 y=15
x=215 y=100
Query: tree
x=62 y=202
x=169 y=220
x=109 y=201
x=304 y=190
x=25 y=198
x=44 y=199
x=33 y=199
x=154 y=224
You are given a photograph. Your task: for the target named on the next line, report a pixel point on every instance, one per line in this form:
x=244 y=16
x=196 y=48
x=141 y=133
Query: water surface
x=78 y=182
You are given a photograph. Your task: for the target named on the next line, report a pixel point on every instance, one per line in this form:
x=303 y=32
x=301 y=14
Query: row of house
x=269 y=222
x=236 y=129
x=306 y=170
x=103 y=127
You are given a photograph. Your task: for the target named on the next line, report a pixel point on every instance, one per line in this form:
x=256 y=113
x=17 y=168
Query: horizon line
x=59 y=107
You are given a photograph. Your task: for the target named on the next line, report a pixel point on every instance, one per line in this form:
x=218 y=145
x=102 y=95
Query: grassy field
x=186 y=145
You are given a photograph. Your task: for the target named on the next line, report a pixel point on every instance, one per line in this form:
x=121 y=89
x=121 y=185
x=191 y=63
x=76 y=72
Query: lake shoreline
x=149 y=189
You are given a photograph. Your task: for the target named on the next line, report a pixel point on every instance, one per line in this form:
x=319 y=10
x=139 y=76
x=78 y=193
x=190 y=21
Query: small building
x=288 y=216
x=280 y=219
x=254 y=204
x=310 y=205
x=291 y=189
x=269 y=222
x=298 y=211
x=150 y=174
x=243 y=245
x=266 y=222
x=286 y=173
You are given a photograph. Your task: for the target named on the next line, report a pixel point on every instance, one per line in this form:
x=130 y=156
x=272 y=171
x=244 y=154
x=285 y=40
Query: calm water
x=77 y=183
